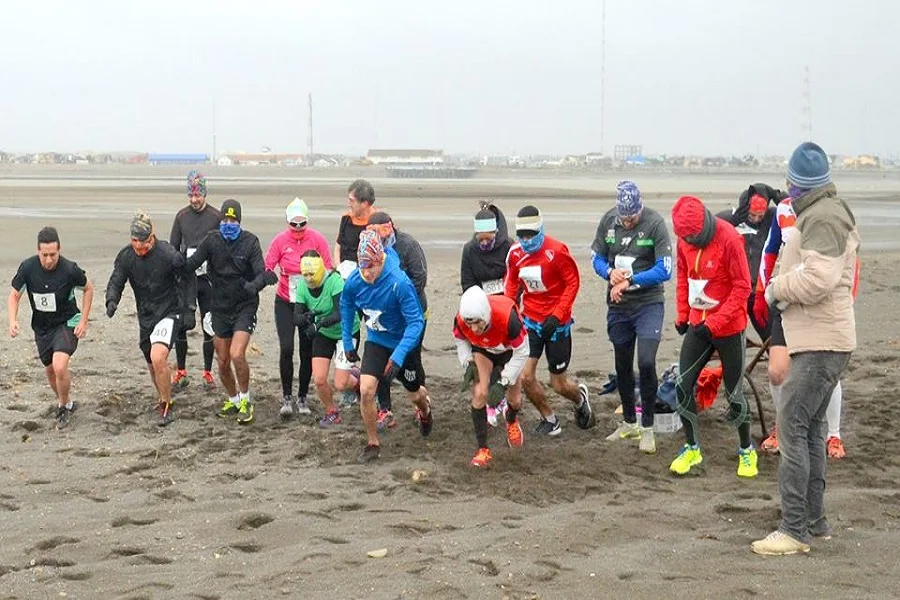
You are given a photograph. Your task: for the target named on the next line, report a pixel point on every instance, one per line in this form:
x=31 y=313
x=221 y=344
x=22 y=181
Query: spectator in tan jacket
x=813 y=290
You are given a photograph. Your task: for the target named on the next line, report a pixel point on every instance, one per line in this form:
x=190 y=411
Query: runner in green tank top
x=317 y=313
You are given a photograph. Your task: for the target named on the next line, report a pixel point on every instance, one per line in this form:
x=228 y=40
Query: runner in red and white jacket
x=490 y=336
x=545 y=272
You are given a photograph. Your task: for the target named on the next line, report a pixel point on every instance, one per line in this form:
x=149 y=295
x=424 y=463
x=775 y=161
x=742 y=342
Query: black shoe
x=62 y=417
x=166 y=415
x=369 y=453
x=584 y=416
x=425 y=421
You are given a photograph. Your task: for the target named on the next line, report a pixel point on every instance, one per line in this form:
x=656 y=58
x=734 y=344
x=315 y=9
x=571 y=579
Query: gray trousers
x=801 y=440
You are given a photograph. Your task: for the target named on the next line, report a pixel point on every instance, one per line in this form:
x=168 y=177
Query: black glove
x=702 y=333
x=311 y=330
x=352 y=356
x=188 y=320
x=301 y=316
x=497 y=392
x=250 y=289
x=270 y=278
x=681 y=328
x=549 y=327
x=469 y=377
x=111 y=306
x=390 y=371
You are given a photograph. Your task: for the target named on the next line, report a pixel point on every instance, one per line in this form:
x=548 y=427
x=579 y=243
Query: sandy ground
x=114 y=507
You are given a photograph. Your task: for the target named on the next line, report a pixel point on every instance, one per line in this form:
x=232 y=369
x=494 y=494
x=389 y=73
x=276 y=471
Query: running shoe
x=835 y=448
x=302 y=408
x=180 y=379
x=689 y=456
x=770 y=444
x=481 y=458
x=166 y=415
x=584 y=416
x=369 y=453
x=778 y=543
x=747 y=462
x=229 y=409
x=647 y=444
x=425 y=421
x=287 y=407
x=515 y=437
x=385 y=420
x=349 y=398
x=209 y=383
x=62 y=417
x=245 y=412
x=625 y=431
x=332 y=417
x=821 y=530
x=494 y=413
x=545 y=427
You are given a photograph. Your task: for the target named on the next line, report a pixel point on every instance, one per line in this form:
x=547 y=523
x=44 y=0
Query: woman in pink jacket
x=285 y=252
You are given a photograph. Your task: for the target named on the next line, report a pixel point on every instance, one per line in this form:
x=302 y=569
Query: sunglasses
x=296 y=225
x=472 y=321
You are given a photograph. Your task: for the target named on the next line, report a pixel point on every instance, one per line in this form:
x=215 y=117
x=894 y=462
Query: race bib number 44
x=44 y=302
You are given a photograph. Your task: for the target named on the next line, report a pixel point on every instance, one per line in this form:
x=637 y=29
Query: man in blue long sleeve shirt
x=632 y=251
x=394 y=325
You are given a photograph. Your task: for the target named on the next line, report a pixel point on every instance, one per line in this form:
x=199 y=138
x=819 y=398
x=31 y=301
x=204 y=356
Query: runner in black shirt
x=157 y=274
x=50 y=281
x=191 y=225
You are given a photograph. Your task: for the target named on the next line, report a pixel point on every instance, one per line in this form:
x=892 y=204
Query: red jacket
x=722 y=303
x=549 y=277
x=504 y=333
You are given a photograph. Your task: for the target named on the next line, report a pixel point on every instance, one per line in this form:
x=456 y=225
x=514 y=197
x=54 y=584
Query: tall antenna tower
x=311 y=155
x=602 y=72
x=807 y=107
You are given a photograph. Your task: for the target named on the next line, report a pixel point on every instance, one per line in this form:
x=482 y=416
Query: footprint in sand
x=127 y=520
x=254 y=521
x=51 y=543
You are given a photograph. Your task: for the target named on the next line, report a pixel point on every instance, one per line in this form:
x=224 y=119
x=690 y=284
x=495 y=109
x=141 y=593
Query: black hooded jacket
x=754 y=235
x=476 y=266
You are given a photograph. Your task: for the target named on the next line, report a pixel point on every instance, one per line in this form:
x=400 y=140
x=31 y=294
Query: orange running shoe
x=514 y=435
x=180 y=379
x=481 y=458
x=208 y=382
x=835 y=447
x=770 y=444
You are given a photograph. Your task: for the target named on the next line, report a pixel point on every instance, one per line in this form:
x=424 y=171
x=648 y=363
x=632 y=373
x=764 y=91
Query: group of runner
x=516 y=307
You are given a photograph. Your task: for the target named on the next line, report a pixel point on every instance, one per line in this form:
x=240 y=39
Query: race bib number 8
x=494 y=286
x=162 y=333
x=44 y=302
x=532 y=278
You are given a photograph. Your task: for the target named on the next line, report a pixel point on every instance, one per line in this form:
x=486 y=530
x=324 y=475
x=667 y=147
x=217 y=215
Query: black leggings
x=695 y=353
x=284 y=325
x=204 y=300
x=647 y=372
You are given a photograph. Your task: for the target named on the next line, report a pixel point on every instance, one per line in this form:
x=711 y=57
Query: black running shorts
x=412 y=373
x=61 y=339
x=164 y=332
x=242 y=319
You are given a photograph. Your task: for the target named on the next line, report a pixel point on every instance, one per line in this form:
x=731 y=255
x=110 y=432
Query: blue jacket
x=390 y=307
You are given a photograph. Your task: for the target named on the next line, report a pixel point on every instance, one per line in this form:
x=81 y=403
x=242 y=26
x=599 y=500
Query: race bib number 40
x=44 y=302
x=162 y=333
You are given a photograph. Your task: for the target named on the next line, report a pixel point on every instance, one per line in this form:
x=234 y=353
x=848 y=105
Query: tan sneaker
x=778 y=543
x=648 y=441
x=625 y=431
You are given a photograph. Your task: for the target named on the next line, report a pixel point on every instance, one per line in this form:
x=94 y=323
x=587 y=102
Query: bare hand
x=617 y=276
x=14 y=329
x=81 y=329
x=615 y=294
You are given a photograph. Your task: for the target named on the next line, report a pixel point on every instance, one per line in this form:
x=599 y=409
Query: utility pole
x=312 y=159
x=602 y=72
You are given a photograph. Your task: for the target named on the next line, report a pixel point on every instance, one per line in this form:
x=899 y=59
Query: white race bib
x=372 y=318
x=745 y=229
x=207 y=324
x=697 y=298
x=625 y=263
x=494 y=286
x=340 y=359
x=44 y=302
x=346 y=268
x=293 y=282
x=162 y=333
x=531 y=277
x=201 y=270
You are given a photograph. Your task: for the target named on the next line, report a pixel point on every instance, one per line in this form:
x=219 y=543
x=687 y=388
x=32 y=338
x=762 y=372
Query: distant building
x=224 y=161
x=405 y=157
x=177 y=159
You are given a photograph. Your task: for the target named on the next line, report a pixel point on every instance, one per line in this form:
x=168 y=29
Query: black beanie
x=231 y=208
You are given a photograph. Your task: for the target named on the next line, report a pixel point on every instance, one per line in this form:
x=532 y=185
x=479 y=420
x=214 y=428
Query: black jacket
x=230 y=265
x=754 y=235
x=413 y=263
x=477 y=267
x=157 y=279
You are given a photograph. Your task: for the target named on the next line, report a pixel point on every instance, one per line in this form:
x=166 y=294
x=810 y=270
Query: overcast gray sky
x=499 y=76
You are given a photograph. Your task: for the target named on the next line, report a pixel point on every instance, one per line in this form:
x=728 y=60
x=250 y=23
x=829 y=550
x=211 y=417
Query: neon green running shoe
x=229 y=409
x=688 y=457
x=747 y=462
x=245 y=412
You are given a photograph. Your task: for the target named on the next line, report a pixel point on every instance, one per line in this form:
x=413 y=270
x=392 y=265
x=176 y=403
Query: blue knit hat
x=808 y=167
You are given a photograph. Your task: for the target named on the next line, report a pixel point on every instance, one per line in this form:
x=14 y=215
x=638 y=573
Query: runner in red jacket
x=713 y=284
x=542 y=268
